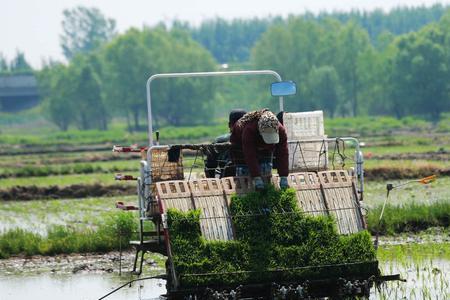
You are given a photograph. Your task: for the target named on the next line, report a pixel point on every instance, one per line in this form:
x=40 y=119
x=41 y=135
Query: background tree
x=128 y=64
x=19 y=64
x=421 y=74
x=324 y=86
x=91 y=111
x=374 y=72
x=292 y=50
x=3 y=64
x=352 y=42
x=346 y=64
x=72 y=95
x=187 y=101
x=231 y=41
x=133 y=57
x=56 y=87
x=84 y=30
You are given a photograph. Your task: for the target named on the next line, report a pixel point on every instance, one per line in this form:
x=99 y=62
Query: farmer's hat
x=268 y=128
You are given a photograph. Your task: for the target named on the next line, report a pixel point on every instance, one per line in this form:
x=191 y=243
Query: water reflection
x=427 y=279
x=76 y=287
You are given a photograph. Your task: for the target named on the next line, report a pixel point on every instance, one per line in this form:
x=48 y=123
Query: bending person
x=255 y=139
x=218 y=162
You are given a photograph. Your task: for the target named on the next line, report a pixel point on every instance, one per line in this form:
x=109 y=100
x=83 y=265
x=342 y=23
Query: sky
x=34 y=26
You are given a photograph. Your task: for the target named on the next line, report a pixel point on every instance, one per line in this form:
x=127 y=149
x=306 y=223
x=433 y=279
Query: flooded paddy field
x=425 y=267
x=76 y=287
x=422 y=259
x=38 y=215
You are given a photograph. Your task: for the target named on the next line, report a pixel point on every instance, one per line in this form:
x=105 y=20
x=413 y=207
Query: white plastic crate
x=301 y=126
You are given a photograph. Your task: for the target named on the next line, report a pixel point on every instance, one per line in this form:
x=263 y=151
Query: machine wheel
x=169 y=277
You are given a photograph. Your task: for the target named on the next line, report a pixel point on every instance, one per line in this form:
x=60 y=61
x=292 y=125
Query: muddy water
x=427 y=279
x=77 y=276
x=76 y=287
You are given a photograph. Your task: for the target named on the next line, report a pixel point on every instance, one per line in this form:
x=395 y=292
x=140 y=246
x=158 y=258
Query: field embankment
x=65 y=192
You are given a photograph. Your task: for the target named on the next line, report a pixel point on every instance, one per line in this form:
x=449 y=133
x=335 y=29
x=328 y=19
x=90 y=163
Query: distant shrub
x=374 y=125
x=412 y=217
x=115 y=232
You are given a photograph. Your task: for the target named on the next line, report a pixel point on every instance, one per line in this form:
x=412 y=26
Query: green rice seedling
x=271 y=233
x=423 y=266
x=59 y=180
x=112 y=234
x=412 y=217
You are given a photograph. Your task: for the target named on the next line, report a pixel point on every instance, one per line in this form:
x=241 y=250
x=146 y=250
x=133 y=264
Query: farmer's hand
x=259 y=183
x=284 y=183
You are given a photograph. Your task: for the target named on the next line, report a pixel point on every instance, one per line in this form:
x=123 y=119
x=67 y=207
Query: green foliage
x=3 y=64
x=73 y=94
x=421 y=73
x=347 y=64
x=119 y=225
x=416 y=251
x=230 y=41
x=271 y=233
x=325 y=88
x=374 y=126
x=117 y=135
x=132 y=58
x=116 y=231
x=84 y=30
x=412 y=217
x=19 y=64
x=92 y=112
x=310 y=44
x=56 y=87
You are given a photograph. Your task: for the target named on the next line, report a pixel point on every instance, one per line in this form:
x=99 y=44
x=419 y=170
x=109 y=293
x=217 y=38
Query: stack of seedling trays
x=274 y=249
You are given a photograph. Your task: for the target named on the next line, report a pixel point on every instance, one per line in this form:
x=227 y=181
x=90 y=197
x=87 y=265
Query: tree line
x=17 y=65
x=339 y=64
x=232 y=40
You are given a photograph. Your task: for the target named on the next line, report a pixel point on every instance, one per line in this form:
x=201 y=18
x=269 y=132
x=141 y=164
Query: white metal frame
x=146 y=164
x=200 y=74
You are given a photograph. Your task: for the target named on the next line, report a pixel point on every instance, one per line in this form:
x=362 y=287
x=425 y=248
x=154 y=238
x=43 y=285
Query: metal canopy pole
x=146 y=166
x=198 y=74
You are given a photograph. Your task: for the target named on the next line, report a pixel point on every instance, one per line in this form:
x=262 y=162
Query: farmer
x=255 y=139
x=218 y=161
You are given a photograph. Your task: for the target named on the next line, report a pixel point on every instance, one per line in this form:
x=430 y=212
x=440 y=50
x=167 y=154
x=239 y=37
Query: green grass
x=38 y=215
x=412 y=217
x=417 y=252
x=115 y=231
x=437 y=191
x=115 y=135
x=405 y=164
x=47 y=135
x=60 y=180
x=376 y=126
x=424 y=267
x=70 y=168
x=381 y=150
x=53 y=157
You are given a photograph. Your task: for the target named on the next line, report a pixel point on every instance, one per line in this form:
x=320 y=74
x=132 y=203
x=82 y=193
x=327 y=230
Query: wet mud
x=388 y=173
x=66 y=192
x=41 y=149
x=442 y=155
x=73 y=264
x=88 y=158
